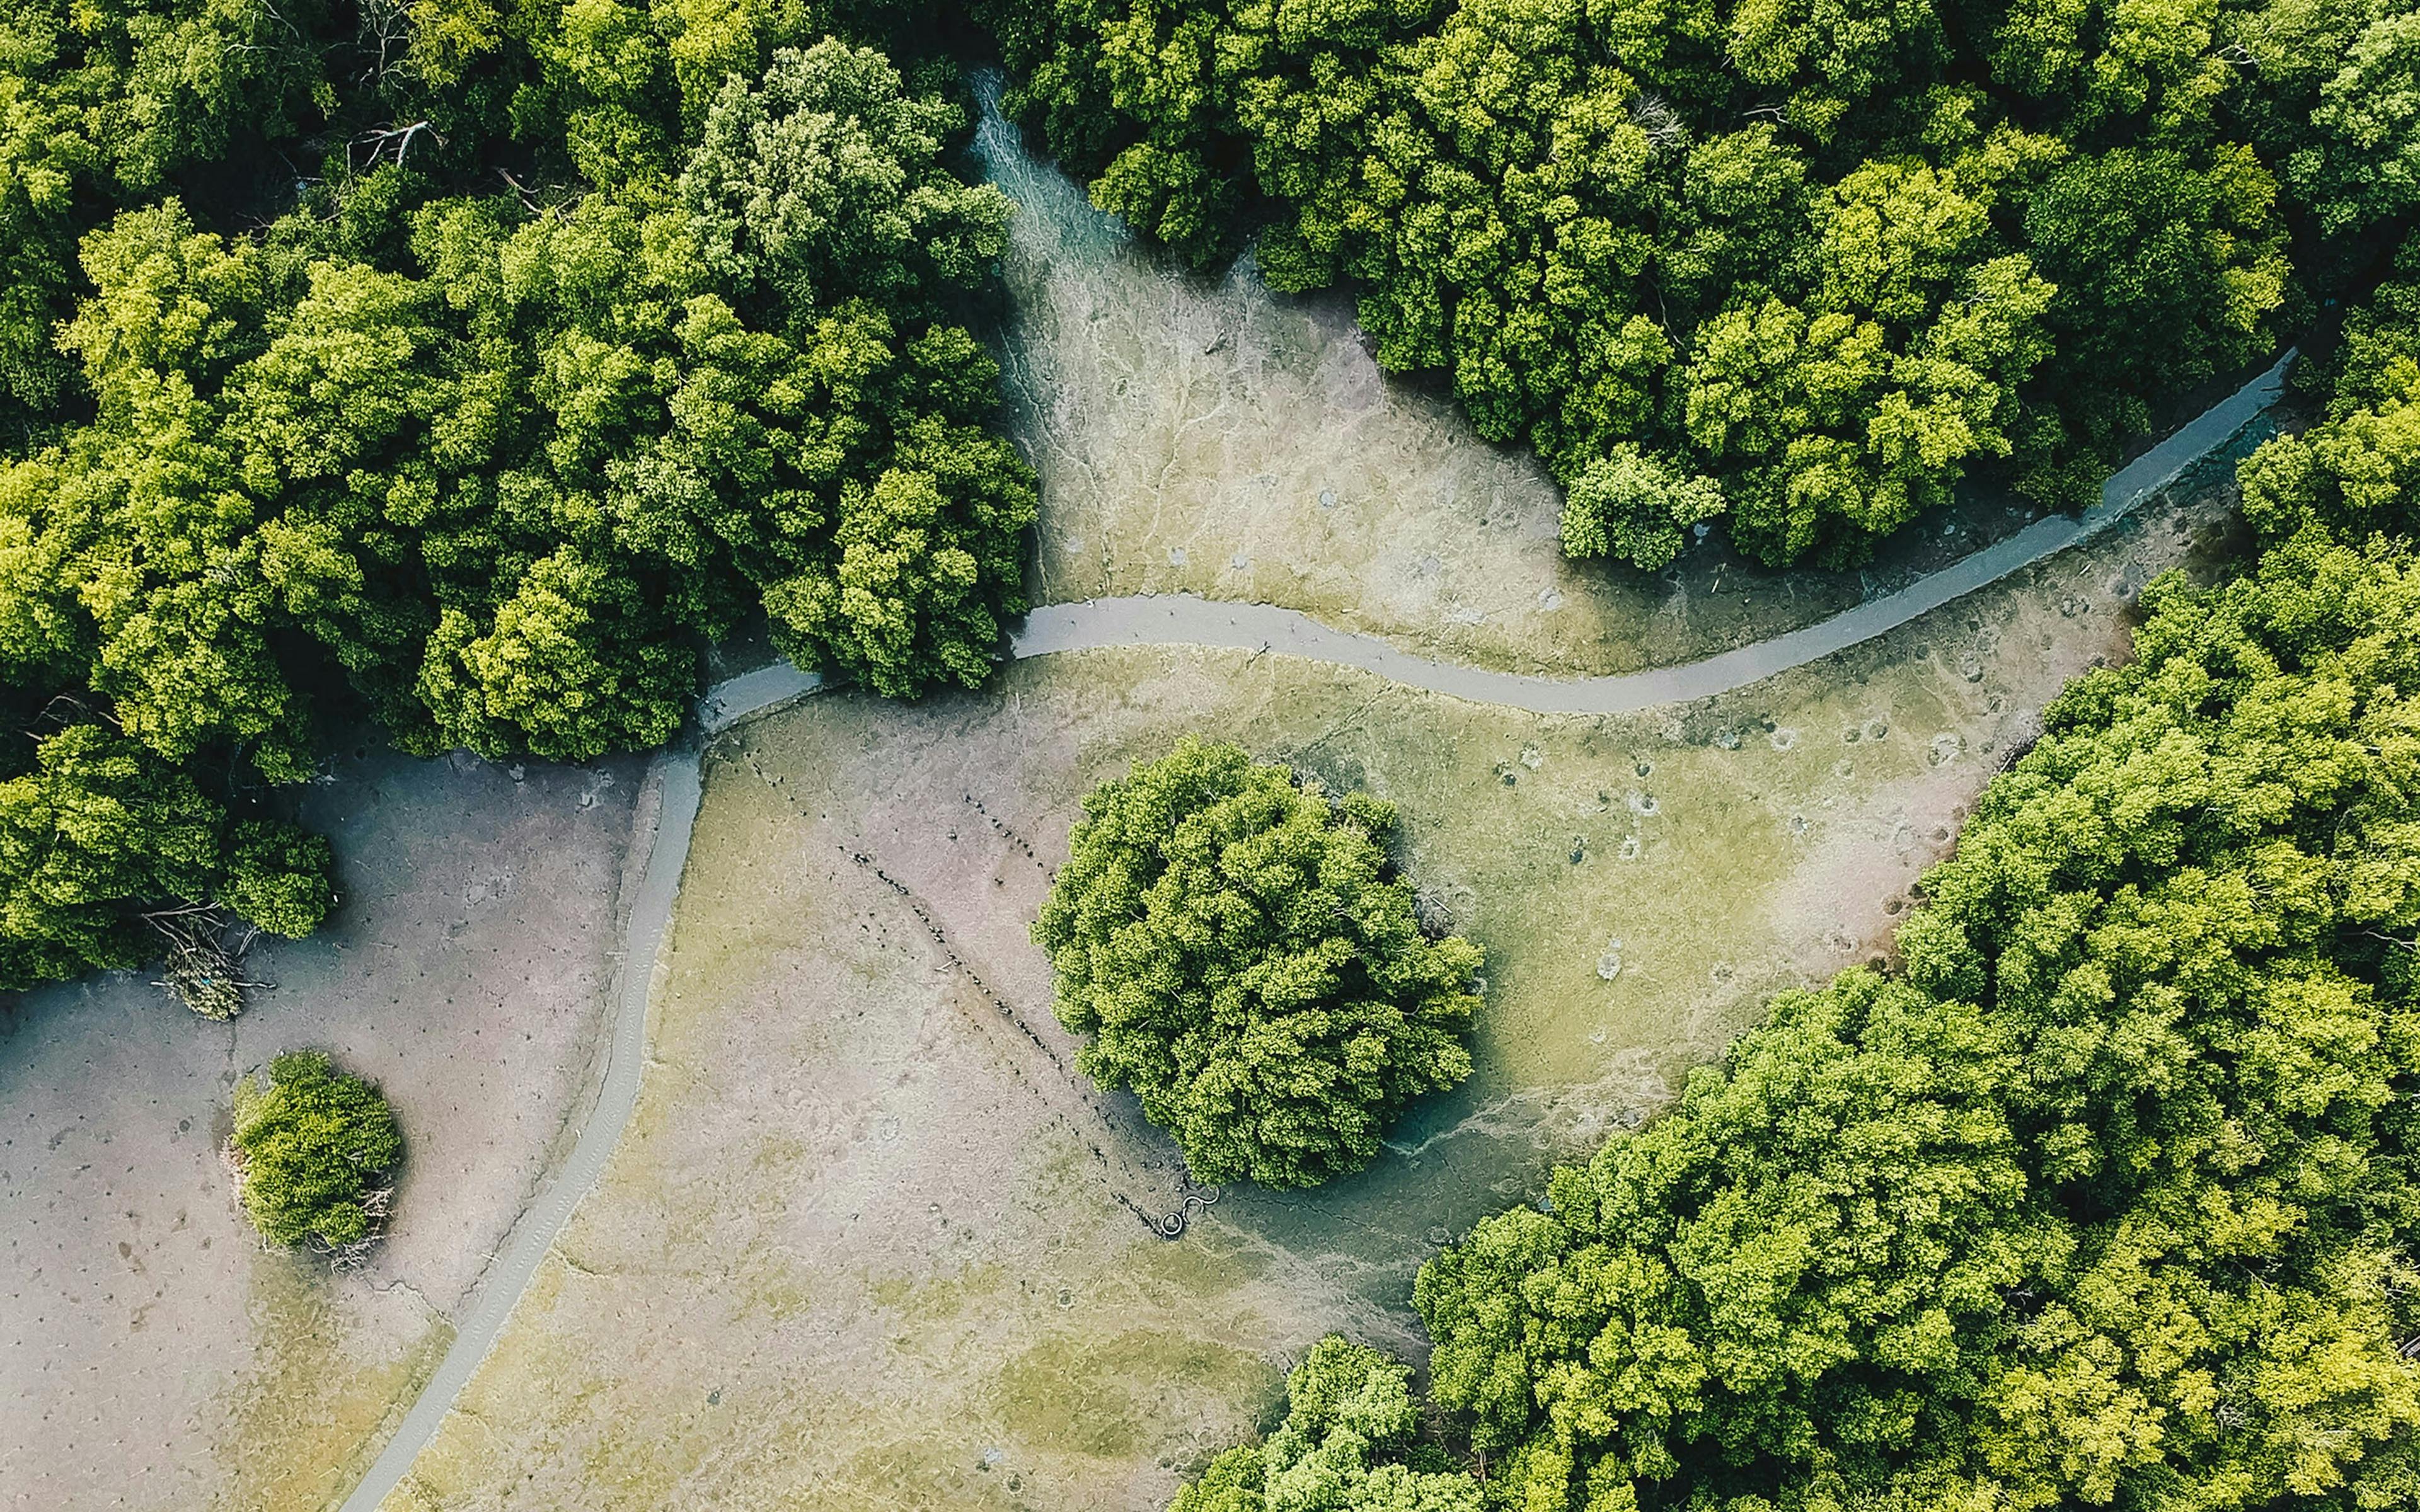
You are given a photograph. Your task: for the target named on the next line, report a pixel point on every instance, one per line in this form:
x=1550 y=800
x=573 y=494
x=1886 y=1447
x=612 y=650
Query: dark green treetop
x=1820 y=263
x=596 y=331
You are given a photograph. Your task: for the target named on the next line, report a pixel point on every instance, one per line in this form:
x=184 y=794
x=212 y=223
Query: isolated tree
x=312 y=1147
x=1244 y=958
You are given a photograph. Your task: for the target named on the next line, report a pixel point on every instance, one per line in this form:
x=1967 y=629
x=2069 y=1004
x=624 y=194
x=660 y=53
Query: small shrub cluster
x=312 y=1150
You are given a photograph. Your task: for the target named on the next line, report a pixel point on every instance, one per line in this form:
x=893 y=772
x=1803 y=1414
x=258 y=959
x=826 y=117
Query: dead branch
x=399 y=137
x=201 y=970
x=1654 y=115
x=529 y=202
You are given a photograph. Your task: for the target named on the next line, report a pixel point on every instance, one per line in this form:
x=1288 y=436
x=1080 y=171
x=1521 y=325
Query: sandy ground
x=869 y=1243
x=152 y=1354
x=1201 y=434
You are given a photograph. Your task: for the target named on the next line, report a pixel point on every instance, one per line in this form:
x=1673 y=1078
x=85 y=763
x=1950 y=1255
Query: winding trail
x=1166 y=620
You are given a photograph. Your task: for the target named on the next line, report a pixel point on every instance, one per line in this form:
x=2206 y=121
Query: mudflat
x=151 y=1353
x=870 y=1240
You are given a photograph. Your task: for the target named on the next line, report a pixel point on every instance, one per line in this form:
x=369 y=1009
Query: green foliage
x=1349 y=1444
x=102 y=828
x=100 y=106
x=278 y=877
x=491 y=451
x=1237 y=948
x=2364 y=165
x=824 y=184
x=1829 y=258
x=1635 y=507
x=2107 y=1198
x=311 y=1145
x=2357 y=471
x=2107 y=1202
x=2174 y=269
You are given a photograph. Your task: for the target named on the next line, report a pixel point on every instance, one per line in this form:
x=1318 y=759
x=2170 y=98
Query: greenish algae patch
x=914 y=1475
x=1107 y=1398
x=320 y=1397
x=937 y=1298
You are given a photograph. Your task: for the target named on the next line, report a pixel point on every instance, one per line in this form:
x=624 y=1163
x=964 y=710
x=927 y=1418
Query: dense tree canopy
x=2108 y=1200
x=1795 y=268
x=2357 y=470
x=1243 y=956
x=2106 y=1197
x=2360 y=162
x=593 y=335
x=105 y=105
x=100 y=820
x=311 y=1145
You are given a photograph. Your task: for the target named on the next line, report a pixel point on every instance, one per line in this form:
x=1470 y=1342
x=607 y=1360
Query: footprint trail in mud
x=1095 y=1121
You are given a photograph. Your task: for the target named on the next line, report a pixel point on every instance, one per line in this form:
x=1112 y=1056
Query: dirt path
x=1183 y=619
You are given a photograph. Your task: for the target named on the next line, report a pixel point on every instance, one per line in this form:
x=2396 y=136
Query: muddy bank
x=151 y=1355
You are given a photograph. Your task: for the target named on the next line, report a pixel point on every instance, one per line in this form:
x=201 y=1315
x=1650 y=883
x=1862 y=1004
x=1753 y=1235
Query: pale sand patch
x=150 y=1355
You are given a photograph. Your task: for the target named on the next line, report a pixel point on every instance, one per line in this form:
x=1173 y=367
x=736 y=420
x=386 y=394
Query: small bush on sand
x=311 y=1150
